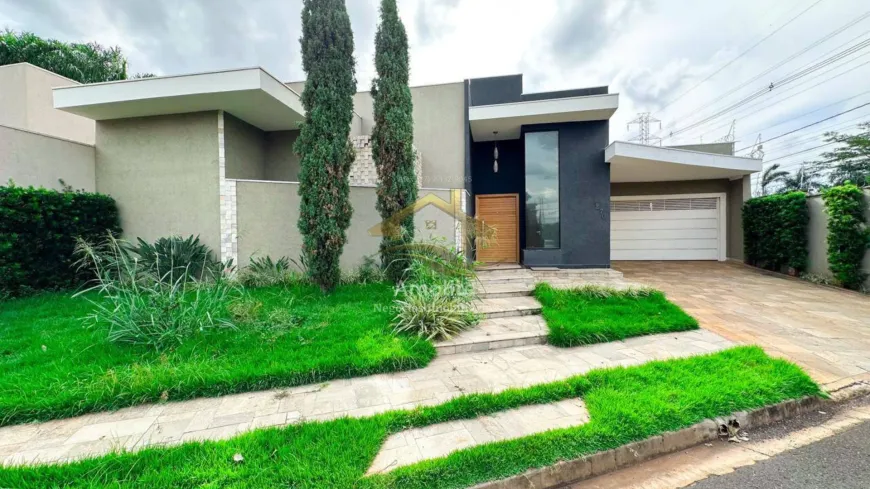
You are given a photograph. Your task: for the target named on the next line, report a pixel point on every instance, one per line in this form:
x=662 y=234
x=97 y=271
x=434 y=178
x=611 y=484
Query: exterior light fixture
x=495 y=153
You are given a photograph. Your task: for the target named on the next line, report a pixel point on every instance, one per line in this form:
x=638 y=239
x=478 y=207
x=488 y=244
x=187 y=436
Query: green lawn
x=625 y=405
x=51 y=366
x=596 y=315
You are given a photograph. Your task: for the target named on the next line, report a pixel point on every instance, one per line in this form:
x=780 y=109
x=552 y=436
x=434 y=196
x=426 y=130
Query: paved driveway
x=825 y=331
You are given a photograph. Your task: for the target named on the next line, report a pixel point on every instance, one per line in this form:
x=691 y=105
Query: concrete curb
x=600 y=463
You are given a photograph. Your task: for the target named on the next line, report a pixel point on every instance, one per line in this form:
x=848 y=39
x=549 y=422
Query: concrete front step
x=490 y=290
x=497 y=334
x=499 y=266
x=508 y=307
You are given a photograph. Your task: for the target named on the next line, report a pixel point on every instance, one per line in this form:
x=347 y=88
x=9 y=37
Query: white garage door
x=672 y=228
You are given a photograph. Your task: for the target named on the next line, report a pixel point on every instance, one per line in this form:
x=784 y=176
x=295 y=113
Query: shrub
x=848 y=236
x=38 y=231
x=264 y=272
x=324 y=147
x=368 y=272
x=436 y=298
x=775 y=231
x=172 y=256
x=141 y=307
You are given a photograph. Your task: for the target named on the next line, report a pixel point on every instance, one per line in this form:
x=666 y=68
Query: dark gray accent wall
x=584 y=198
x=508 y=89
x=496 y=90
x=510 y=178
x=577 y=92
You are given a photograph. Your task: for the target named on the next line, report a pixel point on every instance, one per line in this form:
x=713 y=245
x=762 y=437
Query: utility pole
x=643 y=121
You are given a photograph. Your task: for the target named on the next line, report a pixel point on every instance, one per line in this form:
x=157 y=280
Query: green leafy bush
x=436 y=298
x=369 y=271
x=265 y=272
x=173 y=256
x=85 y=63
x=38 y=231
x=142 y=305
x=848 y=235
x=775 y=231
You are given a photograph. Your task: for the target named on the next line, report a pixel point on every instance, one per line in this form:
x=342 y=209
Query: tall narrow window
x=542 y=189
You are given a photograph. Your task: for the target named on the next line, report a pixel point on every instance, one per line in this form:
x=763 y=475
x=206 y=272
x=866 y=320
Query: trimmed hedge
x=775 y=231
x=38 y=228
x=848 y=236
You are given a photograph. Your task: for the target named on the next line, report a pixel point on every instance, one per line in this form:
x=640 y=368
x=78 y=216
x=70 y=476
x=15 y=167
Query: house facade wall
x=282 y=163
x=26 y=102
x=818 y=236
x=439 y=131
x=245 y=147
x=267 y=213
x=29 y=158
x=163 y=172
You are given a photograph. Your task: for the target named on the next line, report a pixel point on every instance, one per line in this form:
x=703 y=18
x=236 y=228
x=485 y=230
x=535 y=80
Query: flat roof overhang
x=630 y=162
x=251 y=94
x=508 y=118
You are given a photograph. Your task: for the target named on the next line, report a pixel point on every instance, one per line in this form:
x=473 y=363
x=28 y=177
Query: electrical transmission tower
x=643 y=121
x=757 y=149
x=729 y=138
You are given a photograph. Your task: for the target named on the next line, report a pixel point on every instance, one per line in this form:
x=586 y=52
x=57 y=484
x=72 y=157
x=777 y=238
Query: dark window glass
x=542 y=189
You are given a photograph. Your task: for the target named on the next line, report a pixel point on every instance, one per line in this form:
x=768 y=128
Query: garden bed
x=52 y=366
x=625 y=405
x=589 y=315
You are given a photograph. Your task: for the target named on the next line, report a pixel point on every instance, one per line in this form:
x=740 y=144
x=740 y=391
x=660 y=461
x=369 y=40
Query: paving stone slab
x=439 y=440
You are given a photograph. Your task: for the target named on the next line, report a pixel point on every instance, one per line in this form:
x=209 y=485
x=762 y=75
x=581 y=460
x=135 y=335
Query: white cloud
x=650 y=51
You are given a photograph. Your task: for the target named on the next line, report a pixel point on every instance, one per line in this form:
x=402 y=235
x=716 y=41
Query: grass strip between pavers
x=52 y=366
x=625 y=405
x=582 y=317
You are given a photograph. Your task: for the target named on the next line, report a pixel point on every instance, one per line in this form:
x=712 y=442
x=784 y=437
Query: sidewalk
x=446 y=377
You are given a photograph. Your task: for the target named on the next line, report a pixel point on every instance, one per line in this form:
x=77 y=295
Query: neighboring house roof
x=631 y=162
x=507 y=118
x=251 y=94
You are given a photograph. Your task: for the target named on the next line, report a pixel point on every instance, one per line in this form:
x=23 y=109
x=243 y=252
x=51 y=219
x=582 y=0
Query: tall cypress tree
x=324 y=146
x=393 y=137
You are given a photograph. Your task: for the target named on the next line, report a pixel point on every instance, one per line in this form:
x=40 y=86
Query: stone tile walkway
x=412 y=446
x=824 y=330
x=498 y=333
x=443 y=379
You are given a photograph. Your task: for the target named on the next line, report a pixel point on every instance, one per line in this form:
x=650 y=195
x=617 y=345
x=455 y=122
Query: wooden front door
x=502 y=213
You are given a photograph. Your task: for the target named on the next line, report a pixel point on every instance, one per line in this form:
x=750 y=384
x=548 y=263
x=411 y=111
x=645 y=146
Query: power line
x=809 y=125
x=799 y=93
x=828 y=36
x=802 y=151
x=740 y=55
x=797 y=141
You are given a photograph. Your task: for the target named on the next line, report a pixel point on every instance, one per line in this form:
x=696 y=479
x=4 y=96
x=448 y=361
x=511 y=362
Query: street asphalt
x=839 y=462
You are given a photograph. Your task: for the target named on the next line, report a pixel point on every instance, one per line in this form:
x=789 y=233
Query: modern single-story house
x=212 y=154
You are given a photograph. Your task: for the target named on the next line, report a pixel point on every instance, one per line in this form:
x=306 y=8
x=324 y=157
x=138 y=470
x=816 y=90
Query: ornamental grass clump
x=148 y=304
x=436 y=298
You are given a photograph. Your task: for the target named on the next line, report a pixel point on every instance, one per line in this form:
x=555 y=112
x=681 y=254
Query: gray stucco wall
x=26 y=102
x=34 y=159
x=439 y=131
x=818 y=236
x=736 y=191
x=281 y=162
x=717 y=148
x=163 y=172
x=267 y=213
x=245 y=147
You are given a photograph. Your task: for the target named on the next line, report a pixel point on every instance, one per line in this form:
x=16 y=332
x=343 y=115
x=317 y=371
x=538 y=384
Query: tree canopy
x=849 y=160
x=84 y=63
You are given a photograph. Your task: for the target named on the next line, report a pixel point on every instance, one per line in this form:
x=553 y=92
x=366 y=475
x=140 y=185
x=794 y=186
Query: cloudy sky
x=655 y=53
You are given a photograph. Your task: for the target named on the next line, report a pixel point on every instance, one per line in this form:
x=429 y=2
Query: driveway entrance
x=825 y=331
